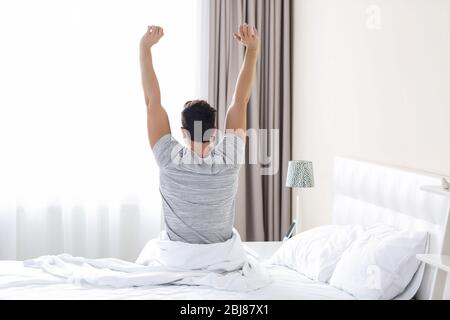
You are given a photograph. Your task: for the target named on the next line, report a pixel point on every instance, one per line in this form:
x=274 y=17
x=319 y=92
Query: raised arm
x=237 y=112
x=157 y=119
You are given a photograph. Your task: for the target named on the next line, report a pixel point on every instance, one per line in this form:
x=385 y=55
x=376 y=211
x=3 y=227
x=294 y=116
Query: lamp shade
x=300 y=174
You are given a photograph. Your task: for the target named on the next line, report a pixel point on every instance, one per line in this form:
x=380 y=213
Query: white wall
x=372 y=81
x=379 y=93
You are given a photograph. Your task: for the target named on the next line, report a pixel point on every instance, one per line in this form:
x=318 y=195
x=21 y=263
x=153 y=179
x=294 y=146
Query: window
x=72 y=113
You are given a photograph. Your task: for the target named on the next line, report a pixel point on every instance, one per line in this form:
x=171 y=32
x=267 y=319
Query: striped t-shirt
x=198 y=194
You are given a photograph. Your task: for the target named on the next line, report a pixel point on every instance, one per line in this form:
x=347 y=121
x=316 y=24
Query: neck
x=200 y=148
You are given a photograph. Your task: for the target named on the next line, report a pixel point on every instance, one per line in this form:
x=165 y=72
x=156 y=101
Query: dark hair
x=198 y=111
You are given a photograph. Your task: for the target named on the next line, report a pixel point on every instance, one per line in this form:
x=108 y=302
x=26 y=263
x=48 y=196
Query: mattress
x=18 y=282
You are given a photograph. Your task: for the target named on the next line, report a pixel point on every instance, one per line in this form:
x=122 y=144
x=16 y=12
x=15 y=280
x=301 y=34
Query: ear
x=185 y=133
x=214 y=133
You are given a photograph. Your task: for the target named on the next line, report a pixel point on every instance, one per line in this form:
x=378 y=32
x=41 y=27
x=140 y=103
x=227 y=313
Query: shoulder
x=166 y=149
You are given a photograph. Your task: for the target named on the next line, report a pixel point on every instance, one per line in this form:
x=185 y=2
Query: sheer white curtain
x=76 y=171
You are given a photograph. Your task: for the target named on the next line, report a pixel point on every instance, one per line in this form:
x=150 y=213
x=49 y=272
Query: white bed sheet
x=287 y=285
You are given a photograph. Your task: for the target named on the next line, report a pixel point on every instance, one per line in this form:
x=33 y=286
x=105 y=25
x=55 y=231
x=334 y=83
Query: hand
x=152 y=36
x=248 y=36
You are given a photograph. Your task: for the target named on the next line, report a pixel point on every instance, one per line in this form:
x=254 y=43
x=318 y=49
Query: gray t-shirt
x=198 y=194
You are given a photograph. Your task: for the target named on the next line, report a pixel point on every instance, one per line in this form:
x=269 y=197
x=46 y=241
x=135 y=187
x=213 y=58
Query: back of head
x=199 y=119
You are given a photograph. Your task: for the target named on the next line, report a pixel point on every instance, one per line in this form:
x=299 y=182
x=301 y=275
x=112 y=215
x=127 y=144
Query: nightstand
x=442 y=264
x=439 y=261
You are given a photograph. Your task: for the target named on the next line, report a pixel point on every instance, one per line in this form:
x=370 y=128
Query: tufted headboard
x=367 y=193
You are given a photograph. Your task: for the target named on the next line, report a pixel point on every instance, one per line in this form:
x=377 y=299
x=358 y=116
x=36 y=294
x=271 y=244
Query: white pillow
x=379 y=264
x=314 y=253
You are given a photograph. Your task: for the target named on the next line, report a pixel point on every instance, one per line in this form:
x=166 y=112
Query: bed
x=287 y=285
x=365 y=193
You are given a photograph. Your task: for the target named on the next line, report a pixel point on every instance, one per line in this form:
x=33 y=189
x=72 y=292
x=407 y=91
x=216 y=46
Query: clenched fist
x=248 y=36
x=152 y=36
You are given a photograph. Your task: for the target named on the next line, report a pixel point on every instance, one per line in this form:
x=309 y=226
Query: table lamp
x=299 y=175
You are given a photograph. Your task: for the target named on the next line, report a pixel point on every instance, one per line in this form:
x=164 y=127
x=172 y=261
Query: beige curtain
x=263 y=209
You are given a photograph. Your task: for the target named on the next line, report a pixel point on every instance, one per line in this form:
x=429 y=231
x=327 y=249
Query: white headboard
x=367 y=193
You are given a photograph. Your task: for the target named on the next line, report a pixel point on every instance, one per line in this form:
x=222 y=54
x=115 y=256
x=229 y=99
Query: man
x=198 y=183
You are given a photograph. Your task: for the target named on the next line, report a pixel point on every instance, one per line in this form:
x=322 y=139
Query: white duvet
x=19 y=282
x=223 y=266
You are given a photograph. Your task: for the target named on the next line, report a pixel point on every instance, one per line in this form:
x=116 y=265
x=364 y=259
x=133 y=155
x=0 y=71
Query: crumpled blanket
x=224 y=266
